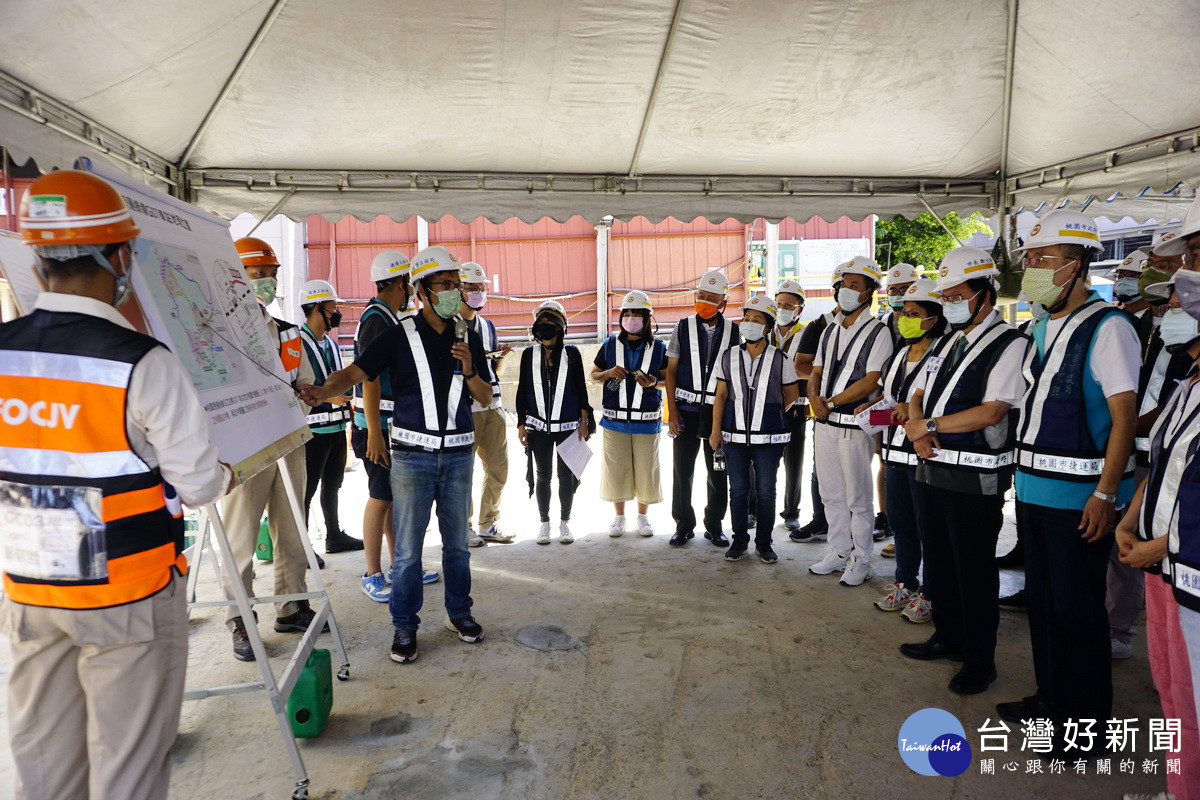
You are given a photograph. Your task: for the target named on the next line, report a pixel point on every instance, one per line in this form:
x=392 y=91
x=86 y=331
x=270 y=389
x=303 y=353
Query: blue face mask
x=958 y=313
x=1126 y=290
x=1177 y=328
x=896 y=303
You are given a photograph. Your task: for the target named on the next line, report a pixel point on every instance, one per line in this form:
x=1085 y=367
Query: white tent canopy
x=532 y=108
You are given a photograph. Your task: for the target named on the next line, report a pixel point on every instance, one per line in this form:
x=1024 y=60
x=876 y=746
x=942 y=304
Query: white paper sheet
x=575 y=453
x=864 y=419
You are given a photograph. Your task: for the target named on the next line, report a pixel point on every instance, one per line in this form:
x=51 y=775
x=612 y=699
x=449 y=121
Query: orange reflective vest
x=64 y=382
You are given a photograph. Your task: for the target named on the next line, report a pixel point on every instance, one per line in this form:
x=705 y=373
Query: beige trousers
x=94 y=697
x=631 y=468
x=491 y=445
x=241 y=511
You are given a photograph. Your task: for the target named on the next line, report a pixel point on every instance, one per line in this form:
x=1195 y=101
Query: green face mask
x=264 y=289
x=1039 y=284
x=1150 y=276
x=910 y=328
x=447 y=302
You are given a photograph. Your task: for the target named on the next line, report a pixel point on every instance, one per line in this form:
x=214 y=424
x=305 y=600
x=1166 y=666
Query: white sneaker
x=618 y=526
x=474 y=539
x=830 y=564
x=644 y=528
x=564 y=533
x=920 y=610
x=543 y=536
x=1121 y=650
x=896 y=599
x=857 y=572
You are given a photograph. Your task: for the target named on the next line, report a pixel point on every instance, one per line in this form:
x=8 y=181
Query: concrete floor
x=683 y=676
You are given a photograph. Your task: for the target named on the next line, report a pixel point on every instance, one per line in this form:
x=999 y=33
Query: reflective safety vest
x=290 y=349
x=64 y=381
x=695 y=381
x=627 y=400
x=950 y=391
x=375 y=307
x=550 y=401
x=839 y=372
x=753 y=411
x=1055 y=437
x=1173 y=488
x=491 y=342
x=425 y=430
x=325 y=414
x=790 y=344
x=898 y=451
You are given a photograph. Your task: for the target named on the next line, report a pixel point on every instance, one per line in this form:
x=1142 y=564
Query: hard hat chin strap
x=68 y=252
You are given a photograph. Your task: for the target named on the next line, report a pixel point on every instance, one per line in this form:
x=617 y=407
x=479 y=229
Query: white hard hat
x=1175 y=245
x=318 y=292
x=1063 y=227
x=713 y=281
x=1161 y=237
x=636 y=300
x=791 y=287
x=923 y=290
x=1134 y=262
x=389 y=264
x=760 y=302
x=902 y=273
x=470 y=272
x=860 y=265
x=552 y=307
x=963 y=264
x=433 y=259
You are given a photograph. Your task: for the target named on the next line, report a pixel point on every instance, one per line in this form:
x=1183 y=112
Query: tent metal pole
x=934 y=214
x=1006 y=117
x=668 y=45
x=602 y=232
x=274 y=210
x=251 y=49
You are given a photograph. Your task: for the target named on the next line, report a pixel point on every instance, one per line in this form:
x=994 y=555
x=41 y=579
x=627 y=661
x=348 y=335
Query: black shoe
x=1014 y=601
x=1027 y=708
x=298 y=622
x=812 y=532
x=1013 y=559
x=467 y=629
x=719 y=539
x=735 y=552
x=242 y=650
x=680 y=539
x=966 y=683
x=766 y=555
x=341 y=542
x=404 y=646
x=320 y=562
x=931 y=650
x=881 y=530
x=752 y=523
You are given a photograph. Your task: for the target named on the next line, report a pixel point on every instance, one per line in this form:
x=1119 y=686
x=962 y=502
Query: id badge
x=52 y=532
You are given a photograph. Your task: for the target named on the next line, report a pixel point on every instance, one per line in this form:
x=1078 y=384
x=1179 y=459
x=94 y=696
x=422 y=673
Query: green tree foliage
x=921 y=240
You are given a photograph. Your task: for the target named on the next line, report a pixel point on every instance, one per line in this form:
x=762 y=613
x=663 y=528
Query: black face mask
x=545 y=331
x=332 y=320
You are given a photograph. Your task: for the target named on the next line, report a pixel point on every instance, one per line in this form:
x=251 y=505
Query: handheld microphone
x=460 y=334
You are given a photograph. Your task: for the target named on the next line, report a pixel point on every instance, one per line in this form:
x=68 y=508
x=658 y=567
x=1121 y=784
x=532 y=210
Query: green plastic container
x=311 y=700
x=264 y=550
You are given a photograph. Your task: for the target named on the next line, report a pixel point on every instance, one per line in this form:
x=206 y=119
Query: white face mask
x=1177 y=327
x=848 y=300
x=752 y=331
x=786 y=317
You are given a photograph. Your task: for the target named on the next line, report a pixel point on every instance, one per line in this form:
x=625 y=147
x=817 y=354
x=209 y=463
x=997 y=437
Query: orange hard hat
x=73 y=207
x=255 y=253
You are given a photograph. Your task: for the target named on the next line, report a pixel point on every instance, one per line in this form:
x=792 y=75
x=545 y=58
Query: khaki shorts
x=630 y=468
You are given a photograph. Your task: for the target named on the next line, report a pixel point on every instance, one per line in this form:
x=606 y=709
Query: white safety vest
x=434 y=436
x=487 y=332
x=543 y=420
x=630 y=402
x=750 y=385
x=334 y=414
x=695 y=393
x=839 y=372
x=1160 y=505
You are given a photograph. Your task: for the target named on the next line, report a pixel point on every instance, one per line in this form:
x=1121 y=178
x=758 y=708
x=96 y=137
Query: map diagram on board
x=186 y=295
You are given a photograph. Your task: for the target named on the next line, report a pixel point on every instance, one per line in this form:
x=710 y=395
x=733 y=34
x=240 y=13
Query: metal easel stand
x=278 y=689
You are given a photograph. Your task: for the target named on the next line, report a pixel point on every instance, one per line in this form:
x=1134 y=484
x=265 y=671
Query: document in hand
x=576 y=454
x=864 y=418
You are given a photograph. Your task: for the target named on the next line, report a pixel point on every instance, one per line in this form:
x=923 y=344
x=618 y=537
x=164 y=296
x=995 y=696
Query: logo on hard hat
x=1036 y=229
x=1166 y=237
x=944 y=271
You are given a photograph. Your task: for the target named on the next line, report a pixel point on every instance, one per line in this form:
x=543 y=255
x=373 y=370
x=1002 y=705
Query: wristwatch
x=931 y=425
x=472 y=375
x=1108 y=498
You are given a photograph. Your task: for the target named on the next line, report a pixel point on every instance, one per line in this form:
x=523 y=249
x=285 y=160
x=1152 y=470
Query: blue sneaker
x=430 y=576
x=376 y=588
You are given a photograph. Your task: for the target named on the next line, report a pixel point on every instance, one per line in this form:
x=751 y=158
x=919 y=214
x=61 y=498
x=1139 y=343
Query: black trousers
x=325 y=461
x=1065 y=589
x=543 y=446
x=793 y=464
x=684 y=448
x=959 y=533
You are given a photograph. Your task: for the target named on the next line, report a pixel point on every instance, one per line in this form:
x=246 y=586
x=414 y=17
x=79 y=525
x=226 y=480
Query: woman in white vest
x=631 y=364
x=756 y=383
x=552 y=404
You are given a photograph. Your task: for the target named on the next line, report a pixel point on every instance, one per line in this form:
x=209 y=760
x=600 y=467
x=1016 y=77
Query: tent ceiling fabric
x=558 y=95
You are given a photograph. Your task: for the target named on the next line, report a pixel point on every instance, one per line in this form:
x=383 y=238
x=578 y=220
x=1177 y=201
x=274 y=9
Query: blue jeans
x=738 y=460
x=419 y=480
x=900 y=487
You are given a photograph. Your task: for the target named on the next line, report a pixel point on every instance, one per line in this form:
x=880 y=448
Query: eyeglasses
x=911 y=314
x=954 y=299
x=1043 y=262
x=446 y=286
x=789 y=306
x=1192 y=252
